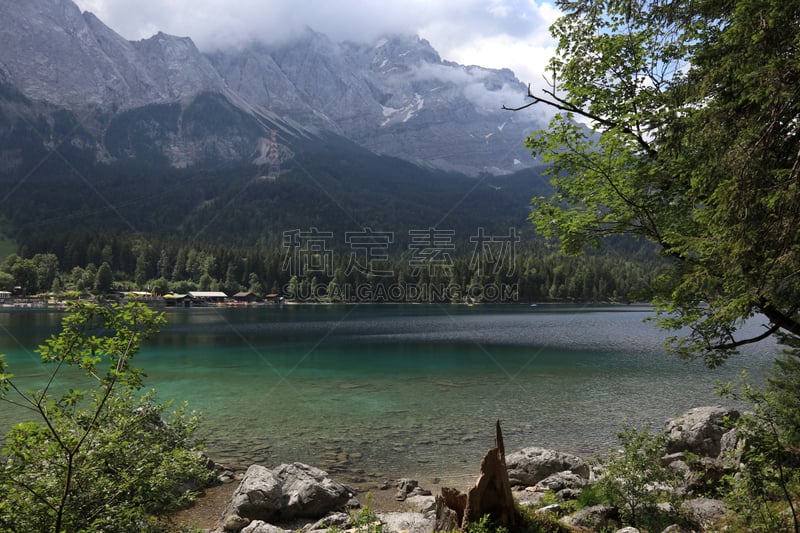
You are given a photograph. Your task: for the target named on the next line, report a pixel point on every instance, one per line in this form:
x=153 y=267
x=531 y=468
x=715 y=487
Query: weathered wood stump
x=491 y=494
x=450 y=508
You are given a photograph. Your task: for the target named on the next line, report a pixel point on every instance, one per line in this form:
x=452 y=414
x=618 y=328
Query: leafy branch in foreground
x=102 y=458
x=677 y=121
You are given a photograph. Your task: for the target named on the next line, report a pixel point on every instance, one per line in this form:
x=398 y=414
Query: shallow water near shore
x=375 y=392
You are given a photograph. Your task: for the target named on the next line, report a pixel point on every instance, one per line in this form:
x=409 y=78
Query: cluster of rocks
x=699 y=446
x=296 y=496
x=299 y=497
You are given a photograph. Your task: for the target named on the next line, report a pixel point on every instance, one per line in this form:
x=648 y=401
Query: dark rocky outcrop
x=700 y=446
x=408 y=488
x=338 y=520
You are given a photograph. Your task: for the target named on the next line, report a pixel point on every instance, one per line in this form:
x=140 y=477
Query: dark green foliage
x=765 y=488
x=7 y=282
x=103 y=458
x=338 y=193
x=590 y=495
x=694 y=108
x=536 y=273
x=24 y=272
x=104 y=279
x=785 y=386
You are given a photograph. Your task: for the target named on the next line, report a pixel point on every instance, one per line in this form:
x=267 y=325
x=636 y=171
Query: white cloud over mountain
x=496 y=33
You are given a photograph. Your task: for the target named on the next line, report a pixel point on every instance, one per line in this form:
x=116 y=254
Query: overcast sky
x=490 y=33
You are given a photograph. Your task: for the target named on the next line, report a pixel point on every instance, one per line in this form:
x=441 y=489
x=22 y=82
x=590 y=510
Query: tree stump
x=450 y=508
x=491 y=494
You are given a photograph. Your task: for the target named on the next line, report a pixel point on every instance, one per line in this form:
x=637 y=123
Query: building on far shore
x=245 y=297
x=200 y=298
x=177 y=300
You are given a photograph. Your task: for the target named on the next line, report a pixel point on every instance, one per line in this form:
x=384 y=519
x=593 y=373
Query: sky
x=490 y=33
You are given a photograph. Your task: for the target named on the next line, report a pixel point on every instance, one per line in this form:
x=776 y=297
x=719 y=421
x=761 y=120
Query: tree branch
x=779 y=318
x=735 y=344
x=564 y=105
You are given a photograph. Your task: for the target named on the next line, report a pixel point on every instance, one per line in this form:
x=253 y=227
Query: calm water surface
x=378 y=392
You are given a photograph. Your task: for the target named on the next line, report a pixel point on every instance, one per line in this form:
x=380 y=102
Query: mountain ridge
x=395 y=96
x=153 y=137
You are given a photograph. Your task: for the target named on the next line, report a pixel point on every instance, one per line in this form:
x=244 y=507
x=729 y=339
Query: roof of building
x=173 y=296
x=207 y=294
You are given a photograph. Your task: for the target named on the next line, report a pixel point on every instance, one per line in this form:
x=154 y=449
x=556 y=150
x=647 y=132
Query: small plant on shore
x=590 y=495
x=529 y=521
x=106 y=458
x=635 y=481
x=364 y=520
x=484 y=525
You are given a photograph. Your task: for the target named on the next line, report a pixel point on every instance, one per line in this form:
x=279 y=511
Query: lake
x=374 y=392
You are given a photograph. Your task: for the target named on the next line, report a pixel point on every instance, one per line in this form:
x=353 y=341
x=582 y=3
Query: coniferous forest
x=381 y=229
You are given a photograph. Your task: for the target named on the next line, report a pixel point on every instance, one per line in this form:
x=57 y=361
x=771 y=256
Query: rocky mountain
x=68 y=79
x=54 y=53
x=395 y=96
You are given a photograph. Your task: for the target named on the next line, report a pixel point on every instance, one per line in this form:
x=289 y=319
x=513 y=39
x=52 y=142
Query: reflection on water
x=375 y=392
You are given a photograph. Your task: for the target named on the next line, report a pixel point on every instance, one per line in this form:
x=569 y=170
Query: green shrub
x=103 y=459
x=484 y=525
x=591 y=495
x=635 y=481
x=529 y=521
x=364 y=520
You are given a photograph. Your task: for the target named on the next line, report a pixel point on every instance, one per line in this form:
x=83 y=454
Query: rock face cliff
x=161 y=97
x=54 y=53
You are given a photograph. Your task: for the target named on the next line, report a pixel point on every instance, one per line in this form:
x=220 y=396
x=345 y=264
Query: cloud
x=493 y=33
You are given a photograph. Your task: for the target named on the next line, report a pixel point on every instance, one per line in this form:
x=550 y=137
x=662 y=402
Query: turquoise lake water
x=374 y=392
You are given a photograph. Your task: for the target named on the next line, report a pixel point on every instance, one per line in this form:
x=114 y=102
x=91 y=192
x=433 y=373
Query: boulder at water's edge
x=289 y=491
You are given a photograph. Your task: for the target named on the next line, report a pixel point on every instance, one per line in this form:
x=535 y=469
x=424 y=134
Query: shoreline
x=157 y=302
x=705 y=432
x=209 y=506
